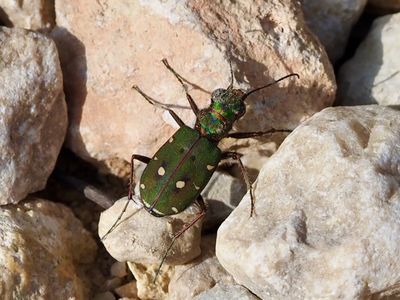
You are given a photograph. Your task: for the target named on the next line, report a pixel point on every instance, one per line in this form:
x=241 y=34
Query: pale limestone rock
x=384 y=6
x=33 y=116
x=144 y=275
x=373 y=74
x=268 y=40
x=32 y=14
x=142 y=238
x=44 y=252
x=327 y=221
x=199 y=275
x=331 y=21
x=226 y=292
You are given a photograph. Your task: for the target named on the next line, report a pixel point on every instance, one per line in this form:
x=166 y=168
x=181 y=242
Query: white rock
x=199 y=275
x=226 y=292
x=32 y=14
x=44 y=252
x=373 y=74
x=33 y=116
x=142 y=238
x=327 y=221
x=269 y=39
x=331 y=21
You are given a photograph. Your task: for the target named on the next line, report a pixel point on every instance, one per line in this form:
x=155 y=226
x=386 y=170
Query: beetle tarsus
x=199 y=216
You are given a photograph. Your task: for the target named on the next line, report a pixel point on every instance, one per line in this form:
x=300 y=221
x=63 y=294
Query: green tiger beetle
x=176 y=175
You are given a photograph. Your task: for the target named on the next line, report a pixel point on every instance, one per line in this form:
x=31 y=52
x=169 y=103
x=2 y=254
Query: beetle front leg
x=236 y=157
x=193 y=104
x=203 y=209
x=245 y=135
x=143 y=159
x=159 y=105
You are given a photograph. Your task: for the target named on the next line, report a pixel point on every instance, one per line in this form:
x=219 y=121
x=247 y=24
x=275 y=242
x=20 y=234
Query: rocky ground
x=326 y=223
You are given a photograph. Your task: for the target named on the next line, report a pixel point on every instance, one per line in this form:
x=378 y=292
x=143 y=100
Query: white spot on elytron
x=196 y=187
x=142 y=186
x=174 y=209
x=210 y=167
x=157 y=211
x=171 y=140
x=161 y=171
x=155 y=158
x=180 y=184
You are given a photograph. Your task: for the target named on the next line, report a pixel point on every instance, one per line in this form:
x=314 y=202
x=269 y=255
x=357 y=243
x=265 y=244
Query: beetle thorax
x=217 y=120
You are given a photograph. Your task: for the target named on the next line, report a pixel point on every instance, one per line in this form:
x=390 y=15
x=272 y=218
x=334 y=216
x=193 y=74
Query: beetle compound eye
x=217 y=94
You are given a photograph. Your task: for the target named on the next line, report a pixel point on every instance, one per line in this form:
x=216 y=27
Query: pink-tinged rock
x=33 y=115
x=332 y=21
x=32 y=14
x=106 y=47
x=327 y=212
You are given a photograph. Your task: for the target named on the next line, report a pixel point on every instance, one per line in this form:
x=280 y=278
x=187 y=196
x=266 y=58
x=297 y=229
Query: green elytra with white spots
x=178 y=172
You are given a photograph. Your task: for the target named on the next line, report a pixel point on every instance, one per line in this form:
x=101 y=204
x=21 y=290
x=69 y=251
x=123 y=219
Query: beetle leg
x=245 y=135
x=143 y=159
x=193 y=104
x=236 y=156
x=203 y=209
x=159 y=105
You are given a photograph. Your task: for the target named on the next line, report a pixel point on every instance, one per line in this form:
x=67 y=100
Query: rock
x=34 y=14
x=45 y=252
x=32 y=112
x=128 y=290
x=104 y=296
x=144 y=275
x=332 y=21
x=142 y=238
x=199 y=275
x=118 y=269
x=327 y=212
x=384 y=6
x=226 y=291
x=372 y=75
x=267 y=40
x=222 y=194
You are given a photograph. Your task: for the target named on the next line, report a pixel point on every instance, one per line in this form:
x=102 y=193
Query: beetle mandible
x=178 y=172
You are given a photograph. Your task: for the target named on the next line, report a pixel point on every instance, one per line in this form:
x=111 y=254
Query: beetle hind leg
x=203 y=209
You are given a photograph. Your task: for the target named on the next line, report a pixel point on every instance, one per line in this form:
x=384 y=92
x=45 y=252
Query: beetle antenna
x=269 y=84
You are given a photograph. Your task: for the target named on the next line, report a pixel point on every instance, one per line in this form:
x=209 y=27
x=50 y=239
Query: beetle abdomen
x=178 y=172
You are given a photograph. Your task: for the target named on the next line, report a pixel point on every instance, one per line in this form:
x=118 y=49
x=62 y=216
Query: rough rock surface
x=327 y=221
x=268 y=39
x=332 y=21
x=43 y=252
x=373 y=74
x=226 y=291
x=384 y=6
x=142 y=238
x=144 y=275
x=32 y=14
x=199 y=275
x=33 y=116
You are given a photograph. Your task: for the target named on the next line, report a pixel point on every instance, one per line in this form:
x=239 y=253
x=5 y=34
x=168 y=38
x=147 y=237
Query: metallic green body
x=178 y=172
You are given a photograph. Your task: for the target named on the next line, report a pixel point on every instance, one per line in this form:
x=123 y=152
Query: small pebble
x=118 y=269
